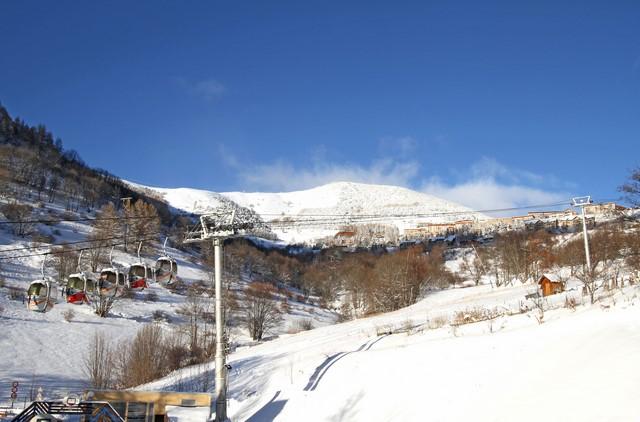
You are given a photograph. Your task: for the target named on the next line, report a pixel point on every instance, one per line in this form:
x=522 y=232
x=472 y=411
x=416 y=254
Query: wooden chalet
x=550 y=284
x=345 y=238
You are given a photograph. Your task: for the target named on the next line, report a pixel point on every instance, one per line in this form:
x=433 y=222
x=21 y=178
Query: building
x=604 y=208
x=155 y=406
x=550 y=284
x=345 y=238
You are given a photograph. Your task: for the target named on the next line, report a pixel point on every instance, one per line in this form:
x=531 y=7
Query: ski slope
x=576 y=366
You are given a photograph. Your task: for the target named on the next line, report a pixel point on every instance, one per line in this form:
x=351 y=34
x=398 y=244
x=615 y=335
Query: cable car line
x=72 y=220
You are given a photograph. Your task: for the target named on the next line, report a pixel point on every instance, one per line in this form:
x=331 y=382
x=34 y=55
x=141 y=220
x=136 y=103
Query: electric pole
x=582 y=202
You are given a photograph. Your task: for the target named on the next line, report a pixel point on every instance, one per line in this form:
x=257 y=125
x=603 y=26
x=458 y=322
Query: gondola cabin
x=140 y=275
x=166 y=270
x=550 y=284
x=41 y=295
x=79 y=287
x=112 y=282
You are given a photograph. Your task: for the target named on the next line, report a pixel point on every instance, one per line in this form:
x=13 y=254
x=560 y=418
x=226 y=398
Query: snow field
x=503 y=370
x=45 y=350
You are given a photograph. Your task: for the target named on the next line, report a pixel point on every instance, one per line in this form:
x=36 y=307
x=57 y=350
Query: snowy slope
x=484 y=372
x=44 y=350
x=334 y=199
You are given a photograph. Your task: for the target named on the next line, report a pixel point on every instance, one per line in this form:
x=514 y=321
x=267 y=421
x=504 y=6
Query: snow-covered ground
x=42 y=349
x=412 y=364
x=575 y=366
x=334 y=199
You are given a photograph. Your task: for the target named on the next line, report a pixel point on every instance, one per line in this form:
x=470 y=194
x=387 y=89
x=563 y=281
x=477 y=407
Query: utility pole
x=221 y=367
x=582 y=202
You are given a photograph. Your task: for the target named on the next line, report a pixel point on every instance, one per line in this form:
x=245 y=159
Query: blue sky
x=490 y=104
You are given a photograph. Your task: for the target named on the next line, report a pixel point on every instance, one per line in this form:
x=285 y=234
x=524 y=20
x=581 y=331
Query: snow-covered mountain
x=391 y=205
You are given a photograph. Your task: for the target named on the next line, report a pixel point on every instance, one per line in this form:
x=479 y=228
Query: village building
x=604 y=208
x=345 y=238
x=550 y=284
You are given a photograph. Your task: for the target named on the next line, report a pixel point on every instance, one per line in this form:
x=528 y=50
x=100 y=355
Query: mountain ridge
x=407 y=207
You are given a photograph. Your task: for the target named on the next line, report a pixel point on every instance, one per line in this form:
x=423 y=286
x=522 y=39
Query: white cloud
x=488 y=193
x=284 y=176
x=487 y=184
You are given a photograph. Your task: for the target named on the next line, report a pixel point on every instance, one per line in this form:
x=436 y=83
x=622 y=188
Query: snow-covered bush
x=69 y=315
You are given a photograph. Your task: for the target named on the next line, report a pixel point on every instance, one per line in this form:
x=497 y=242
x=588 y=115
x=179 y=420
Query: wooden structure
x=345 y=238
x=550 y=284
x=148 y=406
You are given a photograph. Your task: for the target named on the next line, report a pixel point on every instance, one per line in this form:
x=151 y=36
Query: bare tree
x=103 y=302
x=144 y=222
x=592 y=281
x=143 y=358
x=20 y=214
x=198 y=309
x=632 y=187
x=259 y=309
x=474 y=267
x=65 y=261
x=99 y=362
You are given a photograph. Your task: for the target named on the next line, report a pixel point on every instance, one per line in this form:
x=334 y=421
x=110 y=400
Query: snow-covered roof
x=552 y=277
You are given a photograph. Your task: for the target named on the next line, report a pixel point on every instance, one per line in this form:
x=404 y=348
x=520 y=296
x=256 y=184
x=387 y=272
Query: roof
x=552 y=277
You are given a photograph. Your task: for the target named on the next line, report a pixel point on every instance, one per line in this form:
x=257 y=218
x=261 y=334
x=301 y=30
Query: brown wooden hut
x=550 y=284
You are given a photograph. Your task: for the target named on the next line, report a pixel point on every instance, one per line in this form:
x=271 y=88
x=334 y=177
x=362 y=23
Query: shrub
x=570 y=303
x=18 y=212
x=68 y=315
x=469 y=316
x=16 y=293
x=437 y=322
x=285 y=307
x=160 y=316
x=305 y=324
x=345 y=313
x=383 y=330
x=42 y=238
x=128 y=294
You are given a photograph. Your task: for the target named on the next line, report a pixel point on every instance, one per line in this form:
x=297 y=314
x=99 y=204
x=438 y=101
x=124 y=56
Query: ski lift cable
x=72 y=220
x=432 y=214
x=87 y=248
x=59 y=244
x=315 y=219
x=326 y=219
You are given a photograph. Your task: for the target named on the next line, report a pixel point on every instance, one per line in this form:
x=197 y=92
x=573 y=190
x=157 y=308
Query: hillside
x=334 y=199
x=419 y=364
